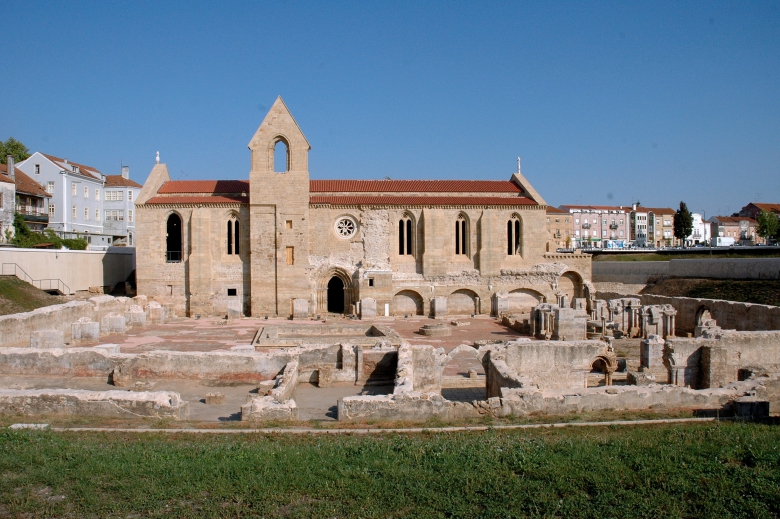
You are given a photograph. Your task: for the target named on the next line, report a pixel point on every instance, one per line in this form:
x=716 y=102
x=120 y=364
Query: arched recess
x=604 y=365
x=514 y=235
x=462 y=235
x=280 y=154
x=173 y=238
x=407 y=231
x=463 y=350
x=233 y=234
x=324 y=284
x=407 y=302
x=570 y=285
x=462 y=302
x=702 y=315
x=522 y=300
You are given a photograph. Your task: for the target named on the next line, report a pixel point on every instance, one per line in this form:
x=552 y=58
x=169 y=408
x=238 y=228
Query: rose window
x=345 y=227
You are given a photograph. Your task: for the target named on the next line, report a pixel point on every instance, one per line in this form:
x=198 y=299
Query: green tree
x=767 y=224
x=27 y=238
x=683 y=223
x=15 y=148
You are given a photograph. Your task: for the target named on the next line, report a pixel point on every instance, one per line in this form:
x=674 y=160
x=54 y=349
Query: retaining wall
x=634 y=272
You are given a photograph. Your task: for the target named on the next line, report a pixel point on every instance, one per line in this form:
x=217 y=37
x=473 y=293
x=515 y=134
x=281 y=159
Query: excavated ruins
x=130 y=357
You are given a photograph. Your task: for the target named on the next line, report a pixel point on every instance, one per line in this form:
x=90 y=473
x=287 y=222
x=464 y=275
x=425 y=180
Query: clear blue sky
x=605 y=102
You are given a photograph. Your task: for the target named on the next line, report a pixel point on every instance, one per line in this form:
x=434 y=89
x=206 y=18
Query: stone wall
x=643 y=272
x=554 y=364
x=728 y=314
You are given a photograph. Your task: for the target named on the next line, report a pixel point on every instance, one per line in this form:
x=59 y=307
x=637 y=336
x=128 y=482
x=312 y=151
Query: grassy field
x=702 y=253
x=765 y=292
x=17 y=296
x=699 y=470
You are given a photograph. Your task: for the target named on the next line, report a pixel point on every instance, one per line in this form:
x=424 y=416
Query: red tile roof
x=626 y=209
x=421 y=200
x=656 y=210
x=86 y=170
x=163 y=200
x=26 y=185
x=413 y=186
x=733 y=219
x=4 y=174
x=120 y=181
x=555 y=210
x=204 y=186
x=770 y=208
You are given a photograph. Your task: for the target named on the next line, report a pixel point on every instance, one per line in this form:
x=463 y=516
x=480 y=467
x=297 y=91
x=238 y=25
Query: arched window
x=461 y=236
x=513 y=235
x=281 y=157
x=173 y=239
x=405 y=236
x=233 y=236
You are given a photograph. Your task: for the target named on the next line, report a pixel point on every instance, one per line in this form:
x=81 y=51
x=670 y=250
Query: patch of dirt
x=763 y=291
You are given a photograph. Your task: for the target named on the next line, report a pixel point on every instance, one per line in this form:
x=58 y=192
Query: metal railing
x=173 y=257
x=47 y=285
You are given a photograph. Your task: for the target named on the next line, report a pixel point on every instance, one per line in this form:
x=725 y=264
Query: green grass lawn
x=18 y=296
x=697 y=470
x=763 y=292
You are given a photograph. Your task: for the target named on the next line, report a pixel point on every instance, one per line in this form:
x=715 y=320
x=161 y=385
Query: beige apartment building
x=558 y=229
x=282 y=244
x=741 y=228
x=599 y=226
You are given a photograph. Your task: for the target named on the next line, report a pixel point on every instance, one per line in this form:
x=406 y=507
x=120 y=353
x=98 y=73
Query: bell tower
x=279 y=214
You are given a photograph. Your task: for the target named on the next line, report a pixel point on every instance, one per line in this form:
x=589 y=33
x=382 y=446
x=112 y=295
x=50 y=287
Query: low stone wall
x=77 y=402
x=286 y=382
x=642 y=272
x=523 y=402
x=553 y=364
x=98 y=362
x=728 y=314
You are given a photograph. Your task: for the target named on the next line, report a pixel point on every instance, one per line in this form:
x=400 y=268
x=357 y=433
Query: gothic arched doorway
x=335 y=295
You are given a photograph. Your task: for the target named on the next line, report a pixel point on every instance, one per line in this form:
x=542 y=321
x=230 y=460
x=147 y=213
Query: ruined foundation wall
x=554 y=364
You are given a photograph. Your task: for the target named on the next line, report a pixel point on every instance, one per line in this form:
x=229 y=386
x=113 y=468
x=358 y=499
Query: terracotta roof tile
x=771 y=208
x=25 y=184
x=657 y=210
x=162 y=200
x=120 y=181
x=87 y=170
x=204 y=186
x=626 y=209
x=4 y=174
x=733 y=219
x=413 y=186
x=421 y=200
x=555 y=210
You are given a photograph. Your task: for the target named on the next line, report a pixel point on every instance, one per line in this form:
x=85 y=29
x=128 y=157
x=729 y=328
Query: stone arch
x=407 y=302
x=514 y=235
x=463 y=348
x=462 y=302
x=462 y=235
x=233 y=233
x=174 y=237
x=273 y=143
x=407 y=234
x=570 y=285
x=522 y=300
x=702 y=314
x=604 y=364
x=325 y=283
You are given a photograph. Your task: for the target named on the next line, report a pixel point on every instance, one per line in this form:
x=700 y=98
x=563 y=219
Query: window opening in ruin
x=461 y=236
x=335 y=295
x=345 y=227
x=173 y=239
x=288 y=224
x=405 y=236
x=232 y=236
x=513 y=235
x=370 y=282
x=232 y=292
x=290 y=255
x=281 y=157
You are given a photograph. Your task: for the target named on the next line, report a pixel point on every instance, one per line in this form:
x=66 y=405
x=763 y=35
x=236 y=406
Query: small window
x=86 y=213
x=130 y=195
x=86 y=191
x=130 y=239
x=130 y=216
x=290 y=255
x=73 y=212
x=97 y=194
x=50 y=188
x=37 y=169
x=288 y=224
x=370 y=282
x=51 y=210
x=74 y=191
x=232 y=292
x=97 y=215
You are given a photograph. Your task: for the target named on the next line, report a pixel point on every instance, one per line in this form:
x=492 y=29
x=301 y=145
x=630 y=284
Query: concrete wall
x=633 y=272
x=729 y=314
x=78 y=269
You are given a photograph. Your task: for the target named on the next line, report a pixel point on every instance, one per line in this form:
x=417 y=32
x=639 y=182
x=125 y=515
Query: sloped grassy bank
x=696 y=470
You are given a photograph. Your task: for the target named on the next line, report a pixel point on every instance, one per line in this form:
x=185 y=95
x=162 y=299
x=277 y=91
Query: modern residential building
x=741 y=228
x=23 y=195
x=119 y=195
x=558 y=229
x=599 y=226
x=753 y=208
x=700 y=233
x=7 y=202
x=660 y=227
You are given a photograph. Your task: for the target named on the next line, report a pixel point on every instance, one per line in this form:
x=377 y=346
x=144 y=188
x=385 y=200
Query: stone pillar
x=367 y=308
x=300 y=309
x=439 y=307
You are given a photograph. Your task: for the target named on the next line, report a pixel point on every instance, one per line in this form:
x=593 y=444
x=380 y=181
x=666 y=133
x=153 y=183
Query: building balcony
x=557 y=235
x=613 y=226
x=586 y=226
x=33 y=214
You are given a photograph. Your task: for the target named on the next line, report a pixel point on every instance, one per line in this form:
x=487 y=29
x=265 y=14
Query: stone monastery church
x=281 y=242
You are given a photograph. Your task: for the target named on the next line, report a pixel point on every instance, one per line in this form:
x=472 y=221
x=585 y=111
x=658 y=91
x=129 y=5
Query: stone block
x=324 y=376
x=47 y=339
x=155 y=313
x=121 y=376
x=112 y=323
x=170 y=311
x=84 y=329
x=367 y=308
x=215 y=398
x=108 y=349
x=300 y=309
x=439 y=307
x=234 y=309
x=435 y=330
x=640 y=378
x=135 y=316
x=651 y=357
